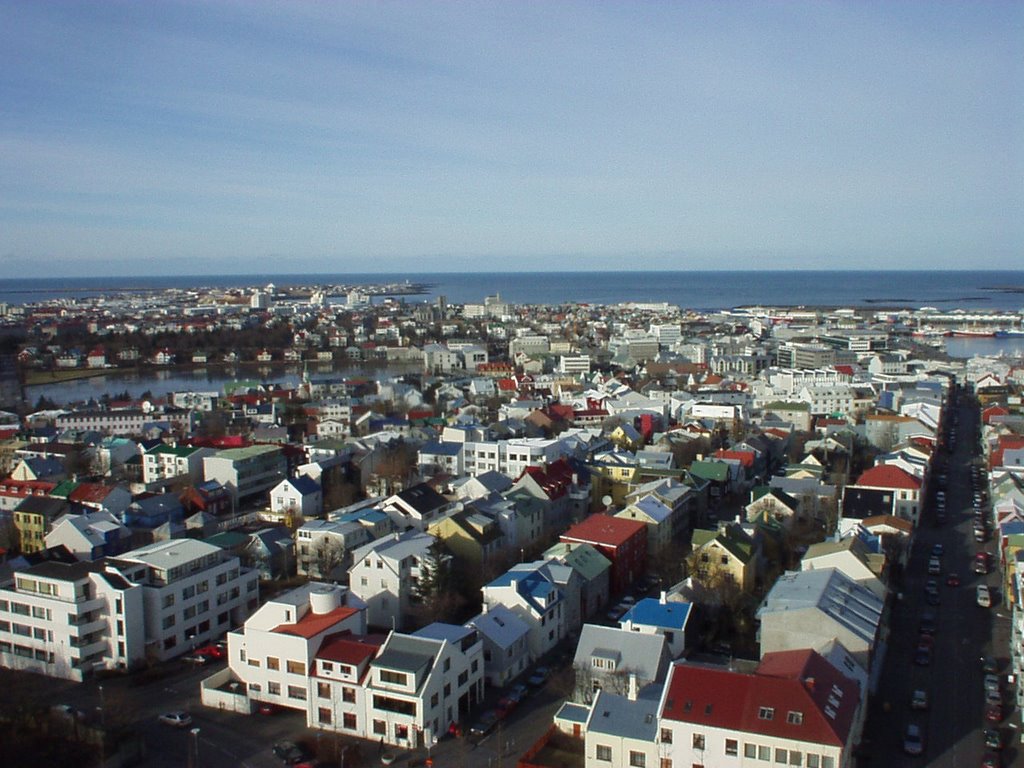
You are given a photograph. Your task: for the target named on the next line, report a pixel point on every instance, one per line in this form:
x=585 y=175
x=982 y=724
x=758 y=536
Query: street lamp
x=193 y=748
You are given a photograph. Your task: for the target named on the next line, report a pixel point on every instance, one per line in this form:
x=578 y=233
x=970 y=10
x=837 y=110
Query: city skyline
x=225 y=138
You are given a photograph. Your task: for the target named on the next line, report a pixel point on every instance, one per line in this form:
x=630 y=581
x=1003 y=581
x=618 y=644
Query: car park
x=913 y=741
x=176 y=719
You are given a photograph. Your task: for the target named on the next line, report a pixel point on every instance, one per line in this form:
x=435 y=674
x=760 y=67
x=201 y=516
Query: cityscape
x=511 y=385
x=352 y=525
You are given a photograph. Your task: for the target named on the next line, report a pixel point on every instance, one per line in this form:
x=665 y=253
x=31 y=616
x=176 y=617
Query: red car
x=953 y=580
x=994 y=713
x=211 y=651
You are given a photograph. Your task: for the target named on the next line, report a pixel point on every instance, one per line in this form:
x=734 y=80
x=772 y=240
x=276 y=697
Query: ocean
x=704 y=290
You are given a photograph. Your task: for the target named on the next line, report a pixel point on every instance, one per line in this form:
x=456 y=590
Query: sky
x=250 y=137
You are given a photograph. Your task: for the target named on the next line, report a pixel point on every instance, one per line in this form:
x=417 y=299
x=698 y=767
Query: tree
x=328 y=556
x=436 y=595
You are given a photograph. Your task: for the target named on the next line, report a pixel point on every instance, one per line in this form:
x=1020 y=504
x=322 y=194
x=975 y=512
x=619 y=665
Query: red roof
x=90 y=492
x=347 y=648
x=888 y=476
x=844 y=369
x=798 y=687
x=745 y=458
x=605 y=529
x=555 y=479
x=1006 y=442
x=312 y=624
x=506 y=385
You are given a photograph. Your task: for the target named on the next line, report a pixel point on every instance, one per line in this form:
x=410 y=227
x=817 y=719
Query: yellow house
x=627 y=438
x=32 y=520
x=728 y=551
x=470 y=535
x=611 y=479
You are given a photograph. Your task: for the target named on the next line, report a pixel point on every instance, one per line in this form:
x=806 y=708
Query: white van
x=984 y=597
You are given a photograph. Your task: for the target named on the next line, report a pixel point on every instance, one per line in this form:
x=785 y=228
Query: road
x=953 y=724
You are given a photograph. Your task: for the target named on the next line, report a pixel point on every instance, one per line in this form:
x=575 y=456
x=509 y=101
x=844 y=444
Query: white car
x=913 y=741
x=177 y=719
x=983 y=596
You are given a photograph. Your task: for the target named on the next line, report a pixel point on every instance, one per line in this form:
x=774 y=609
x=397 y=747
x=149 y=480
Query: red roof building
x=901 y=491
x=888 y=476
x=795 y=709
x=622 y=541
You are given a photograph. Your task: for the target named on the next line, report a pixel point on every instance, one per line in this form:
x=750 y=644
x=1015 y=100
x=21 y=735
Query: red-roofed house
x=274 y=652
x=992 y=411
x=905 y=488
x=795 y=709
x=1012 y=444
x=621 y=540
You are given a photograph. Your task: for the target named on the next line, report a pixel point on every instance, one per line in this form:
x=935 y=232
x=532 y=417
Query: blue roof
x=654 y=613
x=436 y=448
x=1012 y=527
x=371 y=516
x=305 y=485
x=530 y=584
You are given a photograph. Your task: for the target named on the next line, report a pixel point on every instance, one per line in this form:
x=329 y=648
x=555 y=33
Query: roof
x=582 y=558
x=789 y=697
x=834 y=594
x=605 y=530
x=407 y=653
x=440 y=448
x=710 y=470
x=312 y=624
x=639 y=652
x=304 y=484
x=500 y=625
x=248 y=452
x=422 y=498
x=171 y=553
x=888 y=476
x=349 y=649
x=654 y=613
x=615 y=715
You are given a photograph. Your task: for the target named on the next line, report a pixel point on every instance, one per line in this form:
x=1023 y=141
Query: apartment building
x=247 y=471
x=165 y=462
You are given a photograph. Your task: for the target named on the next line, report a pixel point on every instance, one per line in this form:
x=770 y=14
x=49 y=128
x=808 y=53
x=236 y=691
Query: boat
x=972 y=333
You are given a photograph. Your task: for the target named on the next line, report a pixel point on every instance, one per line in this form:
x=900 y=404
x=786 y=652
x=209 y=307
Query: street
x=953 y=724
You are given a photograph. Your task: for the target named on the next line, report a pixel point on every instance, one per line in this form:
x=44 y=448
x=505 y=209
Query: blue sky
x=220 y=137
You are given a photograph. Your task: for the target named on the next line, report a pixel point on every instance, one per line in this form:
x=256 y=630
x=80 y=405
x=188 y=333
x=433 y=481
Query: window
x=296 y=668
x=395 y=678
x=188 y=592
x=795 y=718
x=765 y=713
x=296 y=692
x=348 y=694
x=796 y=758
x=764 y=753
x=698 y=741
x=812 y=761
x=828 y=762
x=603 y=753
x=348 y=721
x=274 y=688
x=273 y=662
x=433 y=701
x=379 y=726
x=781 y=756
x=637 y=759
x=323 y=690
x=732 y=747
x=168 y=601
x=168 y=621
x=323 y=714
x=666 y=735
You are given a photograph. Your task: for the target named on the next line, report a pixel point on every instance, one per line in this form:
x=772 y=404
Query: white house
x=300 y=497
x=529 y=590
x=324 y=547
x=384 y=574
x=506 y=648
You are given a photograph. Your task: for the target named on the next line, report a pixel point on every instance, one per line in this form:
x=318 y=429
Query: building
x=795 y=709
x=506 y=644
x=623 y=542
x=70 y=620
x=247 y=471
x=384 y=575
x=530 y=591
x=166 y=462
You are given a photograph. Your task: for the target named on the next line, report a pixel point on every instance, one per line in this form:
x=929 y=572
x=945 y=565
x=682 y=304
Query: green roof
x=780 y=405
x=64 y=488
x=738 y=542
x=249 y=452
x=588 y=561
x=710 y=470
x=702 y=536
x=227 y=539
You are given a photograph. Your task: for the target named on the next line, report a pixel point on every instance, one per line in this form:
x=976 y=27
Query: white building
x=166 y=462
x=324 y=548
x=384 y=573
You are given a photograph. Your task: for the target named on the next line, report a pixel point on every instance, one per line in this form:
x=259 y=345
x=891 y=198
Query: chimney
x=663 y=599
x=633 y=687
x=809 y=683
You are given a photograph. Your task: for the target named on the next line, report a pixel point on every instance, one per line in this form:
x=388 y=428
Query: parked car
x=953 y=580
x=919 y=700
x=539 y=677
x=934 y=567
x=938 y=550
x=268 y=708
x=193 y=658
x=927 y=625
x=992 y=682
x=211 y=651
x=484 y=724
x=289 y=753
x=981 y=563
x=990 y=665
x=993 y=738
x=913 y=741
x=506 y=705
x=923 y=656
x=177 y=719
x=990 y=760
x=994 y=713
x=983 y=597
